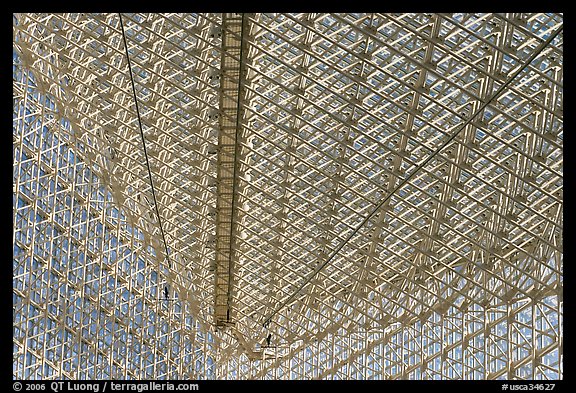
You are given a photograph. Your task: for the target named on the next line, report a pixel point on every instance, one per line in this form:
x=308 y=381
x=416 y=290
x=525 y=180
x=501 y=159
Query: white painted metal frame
x=370 y=196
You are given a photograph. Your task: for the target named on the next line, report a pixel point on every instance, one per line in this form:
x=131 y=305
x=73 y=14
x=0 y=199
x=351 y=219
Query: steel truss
x=280 y=196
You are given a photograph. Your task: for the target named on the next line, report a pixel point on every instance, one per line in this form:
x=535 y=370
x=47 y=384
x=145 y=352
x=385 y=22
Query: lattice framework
x=380 y=193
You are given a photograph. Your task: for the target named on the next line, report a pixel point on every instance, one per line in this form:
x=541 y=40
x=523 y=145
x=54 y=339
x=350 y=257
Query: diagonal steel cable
x=144 y=143
x=496 y=94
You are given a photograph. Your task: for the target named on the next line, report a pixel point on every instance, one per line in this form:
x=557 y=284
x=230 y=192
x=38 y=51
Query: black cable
x=407 y=178
x=144 y=143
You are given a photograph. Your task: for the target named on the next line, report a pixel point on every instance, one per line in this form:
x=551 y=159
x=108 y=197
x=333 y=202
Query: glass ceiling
x=288 y=196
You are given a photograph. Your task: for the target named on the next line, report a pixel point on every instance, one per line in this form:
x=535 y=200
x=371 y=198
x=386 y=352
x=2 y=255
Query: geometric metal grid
x=336 y=196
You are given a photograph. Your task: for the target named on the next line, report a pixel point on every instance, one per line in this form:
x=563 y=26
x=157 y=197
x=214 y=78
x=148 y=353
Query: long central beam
x=230 y=123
